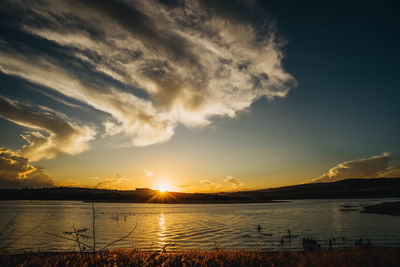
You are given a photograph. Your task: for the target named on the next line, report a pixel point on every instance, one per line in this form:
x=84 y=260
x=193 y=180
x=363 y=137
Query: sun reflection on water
x=161 y=233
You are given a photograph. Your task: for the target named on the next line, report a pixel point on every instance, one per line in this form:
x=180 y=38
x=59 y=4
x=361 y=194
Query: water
x=197 y=226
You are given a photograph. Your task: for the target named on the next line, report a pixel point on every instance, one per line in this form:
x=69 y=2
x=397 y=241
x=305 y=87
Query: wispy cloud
x=52 y=133
x=210 y=185
x=148 y=173
x=234 y=182
x=109 y=182
x=149 y=65
x=374 y=167
x=17 y=172
x=184 y=186
x=229 y=183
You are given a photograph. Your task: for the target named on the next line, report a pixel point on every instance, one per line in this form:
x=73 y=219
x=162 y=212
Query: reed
x=337 y=257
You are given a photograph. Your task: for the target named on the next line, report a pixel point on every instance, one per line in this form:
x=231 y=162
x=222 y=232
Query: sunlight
x=163 y=188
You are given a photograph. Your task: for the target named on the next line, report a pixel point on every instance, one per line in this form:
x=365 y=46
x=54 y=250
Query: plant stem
x=94 y=229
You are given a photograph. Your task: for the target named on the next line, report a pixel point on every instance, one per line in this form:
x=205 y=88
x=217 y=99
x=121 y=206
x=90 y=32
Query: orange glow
x=162 y=195
x=163 y=187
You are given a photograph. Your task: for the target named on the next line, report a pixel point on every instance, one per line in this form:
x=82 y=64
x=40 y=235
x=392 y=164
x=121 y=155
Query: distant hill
x=107 y=195
x=349 y=188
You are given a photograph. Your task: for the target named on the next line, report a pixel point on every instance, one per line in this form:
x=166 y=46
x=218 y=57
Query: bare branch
x=70 y=239
x=120 y=239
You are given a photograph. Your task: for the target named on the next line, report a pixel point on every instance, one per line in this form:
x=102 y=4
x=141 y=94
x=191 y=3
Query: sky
x=198 y=96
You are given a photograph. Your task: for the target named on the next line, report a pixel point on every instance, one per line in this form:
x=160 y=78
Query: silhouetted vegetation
x=107 y=195
x=335 y=257
x=310 y=244
x=350 y=188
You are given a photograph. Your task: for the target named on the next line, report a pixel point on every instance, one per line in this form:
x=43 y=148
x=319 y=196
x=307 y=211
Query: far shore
x=344 y=189
x=188 y=202
x=388 y=208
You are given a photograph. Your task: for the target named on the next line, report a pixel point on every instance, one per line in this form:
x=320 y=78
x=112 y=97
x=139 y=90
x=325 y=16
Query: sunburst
x=163 y=188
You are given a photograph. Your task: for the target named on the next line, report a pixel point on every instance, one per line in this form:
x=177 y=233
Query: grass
x=336 y=257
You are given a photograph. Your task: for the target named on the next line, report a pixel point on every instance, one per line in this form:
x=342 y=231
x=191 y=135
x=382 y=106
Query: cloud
x=150 y=66
x=390 y=172
x=231 y=183
x=112 y=181
x=17 y=172
x=54 y=134
x=234 y=182
x=184 y=186
x=148 y=173
x=374 y=167
x=209 y=184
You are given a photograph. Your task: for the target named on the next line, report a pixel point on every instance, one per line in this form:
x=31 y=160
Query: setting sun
x=163 y=188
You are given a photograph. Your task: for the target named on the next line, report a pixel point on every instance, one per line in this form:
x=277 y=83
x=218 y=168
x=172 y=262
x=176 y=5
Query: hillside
x=350 y=188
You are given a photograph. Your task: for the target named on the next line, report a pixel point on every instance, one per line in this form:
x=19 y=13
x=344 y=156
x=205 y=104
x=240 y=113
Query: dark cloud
x=374 y=167
x=17 y=172
x=139 y=24
x=151 y=65
x=62 y=136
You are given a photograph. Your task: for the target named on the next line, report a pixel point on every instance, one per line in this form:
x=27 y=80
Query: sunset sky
x=198 y=96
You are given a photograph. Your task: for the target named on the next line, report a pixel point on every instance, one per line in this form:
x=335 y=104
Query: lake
x=196 y=226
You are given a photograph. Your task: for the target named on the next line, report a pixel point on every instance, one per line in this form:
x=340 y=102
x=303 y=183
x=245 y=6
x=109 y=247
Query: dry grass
x=325 y=258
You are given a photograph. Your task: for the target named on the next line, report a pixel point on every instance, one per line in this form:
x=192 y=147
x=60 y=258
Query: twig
x=165 y=246
x=120 y=239
x=70 y=239
x=10 y=223
x=7 y=226
x=94 y=228
x=77 y=238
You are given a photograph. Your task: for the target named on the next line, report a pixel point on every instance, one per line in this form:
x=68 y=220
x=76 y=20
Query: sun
x=163 y=188
x=163 y=193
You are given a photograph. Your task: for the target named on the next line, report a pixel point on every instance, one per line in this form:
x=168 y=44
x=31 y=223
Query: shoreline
x=355 y=189
x=381 y=208
x=385 y=208
x=188 y=202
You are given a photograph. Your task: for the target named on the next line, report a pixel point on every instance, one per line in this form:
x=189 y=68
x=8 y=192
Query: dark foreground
x=337 y=257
